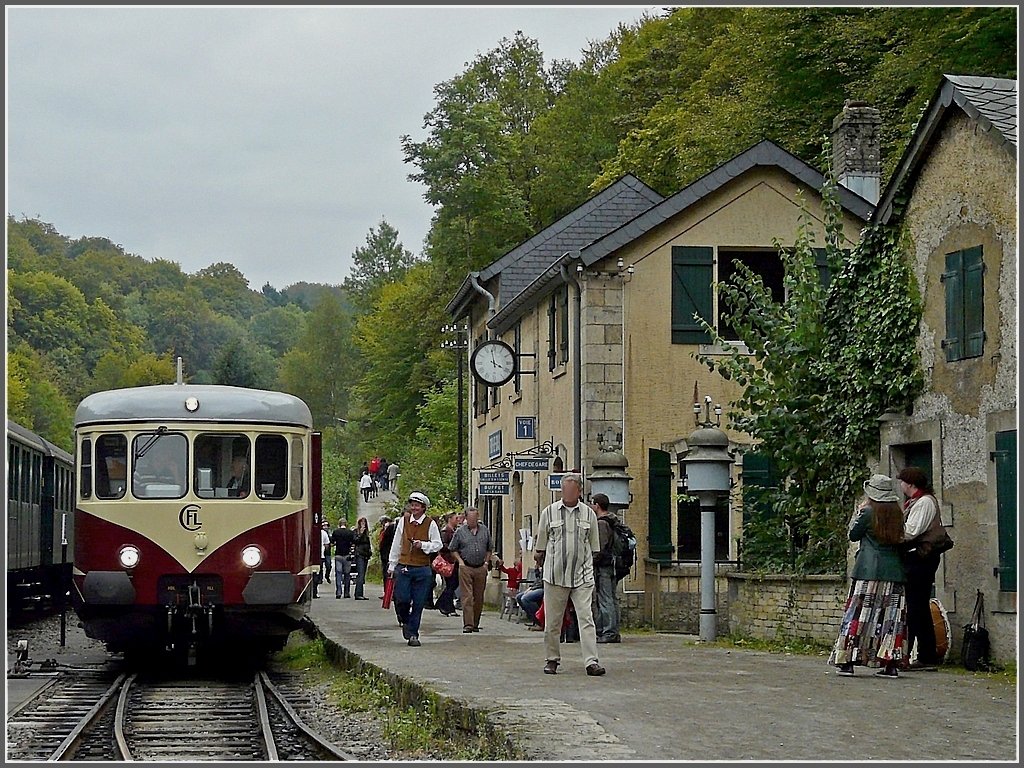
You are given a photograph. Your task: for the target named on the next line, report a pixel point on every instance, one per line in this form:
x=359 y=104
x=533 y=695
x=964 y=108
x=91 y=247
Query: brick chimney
x=857 y=149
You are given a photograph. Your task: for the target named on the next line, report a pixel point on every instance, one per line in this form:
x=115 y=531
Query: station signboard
x=494 y=489
x=531 y=464
x=495 y=476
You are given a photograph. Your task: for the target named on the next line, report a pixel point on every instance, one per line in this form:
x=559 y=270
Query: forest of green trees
x=513 y=143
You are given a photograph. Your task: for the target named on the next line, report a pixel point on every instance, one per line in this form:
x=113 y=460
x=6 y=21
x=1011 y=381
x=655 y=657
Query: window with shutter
x=964 y=283
x=692 y=276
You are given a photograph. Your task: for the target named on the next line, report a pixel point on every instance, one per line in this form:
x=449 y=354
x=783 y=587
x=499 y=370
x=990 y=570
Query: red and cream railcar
x=196 y=517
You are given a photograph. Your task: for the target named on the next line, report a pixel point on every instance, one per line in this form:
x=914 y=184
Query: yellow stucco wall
x=752 y=211
x=658 y=376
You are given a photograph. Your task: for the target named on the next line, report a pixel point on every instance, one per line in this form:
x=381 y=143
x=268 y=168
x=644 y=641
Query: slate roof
x=990 y=101
x=764 y=153
x=616 y=204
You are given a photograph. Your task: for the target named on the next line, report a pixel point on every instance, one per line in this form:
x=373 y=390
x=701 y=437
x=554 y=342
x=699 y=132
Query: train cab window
x=159 y=465
x=111 y=466
x=271 y=466
x=222 y=466
x=298 y=467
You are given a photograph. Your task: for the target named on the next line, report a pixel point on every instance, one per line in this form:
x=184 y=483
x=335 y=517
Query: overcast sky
x=263 y=136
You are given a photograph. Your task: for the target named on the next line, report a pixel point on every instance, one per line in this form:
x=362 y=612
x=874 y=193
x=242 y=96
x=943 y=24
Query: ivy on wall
x=823 y=365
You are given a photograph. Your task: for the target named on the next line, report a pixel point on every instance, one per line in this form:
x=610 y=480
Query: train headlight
x=252 y=556
x=129 y=556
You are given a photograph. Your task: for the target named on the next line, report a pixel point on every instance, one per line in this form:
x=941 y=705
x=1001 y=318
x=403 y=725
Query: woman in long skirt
x=874 y=627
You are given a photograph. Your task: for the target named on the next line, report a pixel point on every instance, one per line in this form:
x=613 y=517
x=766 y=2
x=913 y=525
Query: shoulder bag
x=935 y=537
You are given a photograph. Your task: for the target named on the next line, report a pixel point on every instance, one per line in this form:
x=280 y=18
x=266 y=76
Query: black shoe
x=551 y=668
x=887 y=673
x=609 y=639
x=337 y=597
x=414 y=641
x=361 y=598
x=346 y=596
x=595 y=670
x=328 y=579
x=846 y=670
x=476 y=629
x=466 y=630
x=315 y=595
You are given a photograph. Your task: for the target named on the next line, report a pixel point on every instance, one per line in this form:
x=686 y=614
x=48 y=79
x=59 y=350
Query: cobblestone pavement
x=668 y=697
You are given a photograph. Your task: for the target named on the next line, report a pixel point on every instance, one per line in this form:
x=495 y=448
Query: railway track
x=133 y=718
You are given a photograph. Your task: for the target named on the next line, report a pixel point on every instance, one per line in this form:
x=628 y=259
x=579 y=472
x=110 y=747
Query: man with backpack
x=605 y=603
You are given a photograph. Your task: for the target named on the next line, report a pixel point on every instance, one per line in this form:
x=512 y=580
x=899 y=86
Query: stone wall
x=766 y=607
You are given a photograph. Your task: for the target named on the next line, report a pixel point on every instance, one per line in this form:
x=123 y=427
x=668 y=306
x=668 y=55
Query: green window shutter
x=821 y=262
x=564 y=328
x=952 y=278
x=692 y=276
x=758 y=472
x=974 y=302
x=1005 y=457
x=552 y=326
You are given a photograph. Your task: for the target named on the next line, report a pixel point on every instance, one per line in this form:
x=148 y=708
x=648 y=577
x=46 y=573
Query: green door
x=659 y=512
x=1005 y=457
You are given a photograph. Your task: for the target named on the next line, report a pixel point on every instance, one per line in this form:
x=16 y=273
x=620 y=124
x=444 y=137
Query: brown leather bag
x=934 y=539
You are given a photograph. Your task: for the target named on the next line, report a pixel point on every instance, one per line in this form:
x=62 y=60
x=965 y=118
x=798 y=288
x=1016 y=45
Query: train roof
x=167 y=402
x=27 y=437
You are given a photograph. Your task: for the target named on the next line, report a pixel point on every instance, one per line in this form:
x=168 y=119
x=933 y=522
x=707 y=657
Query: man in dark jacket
x=342 y=539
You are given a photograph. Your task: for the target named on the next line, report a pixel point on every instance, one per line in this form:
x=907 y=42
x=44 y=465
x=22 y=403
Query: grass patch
x=418 y=732
x=804 y=647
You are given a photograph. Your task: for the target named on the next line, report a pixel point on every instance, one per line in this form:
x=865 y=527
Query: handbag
x=934 y=539
x=442 y=566
x=975 y=649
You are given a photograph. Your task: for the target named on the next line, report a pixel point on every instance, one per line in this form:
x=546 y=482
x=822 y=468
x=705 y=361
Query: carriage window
x=159 y=465
x=271 y=466
x=85 y=477
x=298 y=468
x=111 y=466
x=222 y=466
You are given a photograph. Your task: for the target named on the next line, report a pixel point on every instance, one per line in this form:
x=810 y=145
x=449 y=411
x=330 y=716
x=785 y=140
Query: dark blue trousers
x=413 y=584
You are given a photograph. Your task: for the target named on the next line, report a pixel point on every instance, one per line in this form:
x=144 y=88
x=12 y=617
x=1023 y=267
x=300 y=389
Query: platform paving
x=669 y=697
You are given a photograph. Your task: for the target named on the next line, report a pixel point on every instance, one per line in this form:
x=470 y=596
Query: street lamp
x=609 y=475
x=706 y=468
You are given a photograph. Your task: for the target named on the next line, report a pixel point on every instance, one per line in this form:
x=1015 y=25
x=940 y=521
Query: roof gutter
x=577 y=367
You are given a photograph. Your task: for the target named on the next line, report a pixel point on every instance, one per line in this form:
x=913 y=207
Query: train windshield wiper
x=160 y=432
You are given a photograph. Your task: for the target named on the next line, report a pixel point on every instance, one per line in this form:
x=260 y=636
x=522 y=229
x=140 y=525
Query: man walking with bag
x=567 y=540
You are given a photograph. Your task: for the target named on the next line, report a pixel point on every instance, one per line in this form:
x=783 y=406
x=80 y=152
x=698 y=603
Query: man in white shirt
x=416 y=538
x=567 y=538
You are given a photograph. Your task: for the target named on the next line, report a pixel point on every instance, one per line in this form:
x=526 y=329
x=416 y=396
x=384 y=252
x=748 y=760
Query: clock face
x=493 y=362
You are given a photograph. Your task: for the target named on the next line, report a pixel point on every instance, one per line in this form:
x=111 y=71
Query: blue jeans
x=341 y=567
x=413 y=583
x=360 y=575
x=530 y=601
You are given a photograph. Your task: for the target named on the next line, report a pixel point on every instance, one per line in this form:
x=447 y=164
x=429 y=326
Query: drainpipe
x=577 y=368
x=490 y=300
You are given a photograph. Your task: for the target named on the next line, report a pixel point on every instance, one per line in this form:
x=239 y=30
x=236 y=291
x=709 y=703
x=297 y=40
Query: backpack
x=623 y=547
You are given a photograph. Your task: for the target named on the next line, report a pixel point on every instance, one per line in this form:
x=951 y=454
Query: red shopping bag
x=389 y=590
x=566 y=619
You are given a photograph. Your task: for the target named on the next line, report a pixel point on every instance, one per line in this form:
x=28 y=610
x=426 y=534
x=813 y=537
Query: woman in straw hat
x=874 y=627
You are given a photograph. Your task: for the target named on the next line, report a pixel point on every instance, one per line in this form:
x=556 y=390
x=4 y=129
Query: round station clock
x=493 y=362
